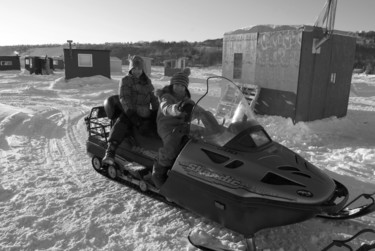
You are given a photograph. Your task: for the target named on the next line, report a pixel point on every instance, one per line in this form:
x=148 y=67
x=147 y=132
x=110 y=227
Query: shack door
x=325 y=78
x=338 y=86
x=320 y=80
x=237 y=66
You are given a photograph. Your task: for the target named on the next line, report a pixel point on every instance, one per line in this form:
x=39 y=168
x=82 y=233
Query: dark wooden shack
x=296 y=78
x=36 y=64
x=172 y=66
x=86 y=63
x=10 y=63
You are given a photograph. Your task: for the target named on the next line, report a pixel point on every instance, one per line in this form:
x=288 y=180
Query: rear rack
x=98 y=124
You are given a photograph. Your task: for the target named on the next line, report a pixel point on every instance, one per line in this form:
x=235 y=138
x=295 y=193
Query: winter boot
x=159 y=174
x=110 y=153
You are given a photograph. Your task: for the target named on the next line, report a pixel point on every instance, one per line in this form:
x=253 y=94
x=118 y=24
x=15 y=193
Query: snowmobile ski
x=351 y=213
x=204 y=241
x=343 y=243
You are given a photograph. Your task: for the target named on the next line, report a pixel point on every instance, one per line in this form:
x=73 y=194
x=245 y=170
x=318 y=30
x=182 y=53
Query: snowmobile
x=229 y=169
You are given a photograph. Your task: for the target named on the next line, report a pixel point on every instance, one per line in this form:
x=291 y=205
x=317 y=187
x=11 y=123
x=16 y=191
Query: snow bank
x=87 y=82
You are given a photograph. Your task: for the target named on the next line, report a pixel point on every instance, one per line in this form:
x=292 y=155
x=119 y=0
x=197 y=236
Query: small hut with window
x=172 y=66
x=39 y=65
x=86 y=63
x=304 y=72
x=10 y=63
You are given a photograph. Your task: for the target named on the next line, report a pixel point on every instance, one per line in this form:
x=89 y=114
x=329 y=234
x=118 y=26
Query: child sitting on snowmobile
x=175 y=104
x=136 y=94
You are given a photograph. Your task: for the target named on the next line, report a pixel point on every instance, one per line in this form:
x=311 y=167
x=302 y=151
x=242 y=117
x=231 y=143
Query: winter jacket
x=137 y=94
x=168 y=118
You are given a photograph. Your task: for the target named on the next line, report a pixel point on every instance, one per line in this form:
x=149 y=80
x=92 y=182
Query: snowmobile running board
x=350 y=213
x=204 y=241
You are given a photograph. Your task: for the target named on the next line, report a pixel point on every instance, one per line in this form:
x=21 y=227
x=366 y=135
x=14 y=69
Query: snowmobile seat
x=113 y=107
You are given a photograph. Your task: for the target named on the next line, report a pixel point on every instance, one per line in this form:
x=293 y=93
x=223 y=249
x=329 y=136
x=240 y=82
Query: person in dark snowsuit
x=139 y=104
x=174 y=101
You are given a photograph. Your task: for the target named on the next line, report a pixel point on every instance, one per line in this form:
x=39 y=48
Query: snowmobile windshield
x=221 y=113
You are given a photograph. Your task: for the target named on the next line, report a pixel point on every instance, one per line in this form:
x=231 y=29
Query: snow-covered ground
x=52 y=199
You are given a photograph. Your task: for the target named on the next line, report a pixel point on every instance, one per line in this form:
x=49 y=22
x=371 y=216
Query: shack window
x=237 y=66
x=84 y=60
x=27 y=61
x=3 y=63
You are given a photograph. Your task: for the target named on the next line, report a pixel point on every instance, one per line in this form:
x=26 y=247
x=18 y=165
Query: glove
x=186 y=106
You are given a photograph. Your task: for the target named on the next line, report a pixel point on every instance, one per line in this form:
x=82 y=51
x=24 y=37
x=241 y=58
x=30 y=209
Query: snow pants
x=121 y=129
x=171 y=148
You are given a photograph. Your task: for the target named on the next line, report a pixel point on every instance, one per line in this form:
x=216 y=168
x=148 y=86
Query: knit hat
x=135 y=61
x=180 y=78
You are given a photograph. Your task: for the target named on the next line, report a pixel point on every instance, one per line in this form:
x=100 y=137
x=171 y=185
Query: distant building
x=297 y=78
x=10 y=63
x=171 y=66
x=37 y=64
x=86 y=63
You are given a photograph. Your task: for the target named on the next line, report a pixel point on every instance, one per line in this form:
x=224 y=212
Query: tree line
x=206 y=53
x=365 y=52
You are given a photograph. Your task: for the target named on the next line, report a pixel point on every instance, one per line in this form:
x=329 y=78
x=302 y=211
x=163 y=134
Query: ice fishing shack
x=171 y=66
x=10 y=63
x=86 y=63
x=303 y=72
x=39 y=65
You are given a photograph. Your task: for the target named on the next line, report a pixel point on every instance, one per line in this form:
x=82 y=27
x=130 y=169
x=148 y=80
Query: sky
x=98 y=21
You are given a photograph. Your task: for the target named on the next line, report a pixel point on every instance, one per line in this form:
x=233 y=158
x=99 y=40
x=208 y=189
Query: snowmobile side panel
x=245 y=216
x=205 y=181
